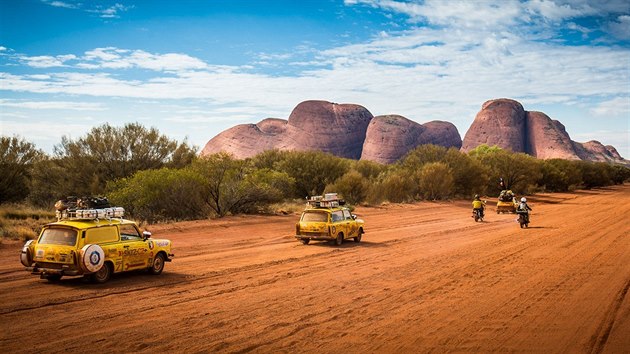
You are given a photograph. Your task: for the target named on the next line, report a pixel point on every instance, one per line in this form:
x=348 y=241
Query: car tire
x=305 y=241
x=103 y=274
x=339 y=239
x=26 y=257
x=158 y=265
x=358 y=238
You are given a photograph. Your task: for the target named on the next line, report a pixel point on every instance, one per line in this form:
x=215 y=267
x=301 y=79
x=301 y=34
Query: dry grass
x=19 y=222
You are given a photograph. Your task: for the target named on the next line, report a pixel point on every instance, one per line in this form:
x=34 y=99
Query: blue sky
x=195 y=68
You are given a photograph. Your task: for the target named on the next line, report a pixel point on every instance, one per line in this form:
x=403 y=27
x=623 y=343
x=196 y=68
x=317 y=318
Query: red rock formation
x=504 y=123
x=313 y=125
x=335 y=128
x=248 y=140
x=390 y=137
x=500 y=122
x=595 y=151
x=547 y=138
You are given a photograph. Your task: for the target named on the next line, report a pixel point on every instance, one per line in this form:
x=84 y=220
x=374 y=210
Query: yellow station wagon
x=325 y=219
x=95 y=248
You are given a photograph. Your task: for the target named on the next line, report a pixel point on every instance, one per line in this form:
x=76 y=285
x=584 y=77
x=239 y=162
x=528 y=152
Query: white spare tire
x=92 y=258
x=26 y=257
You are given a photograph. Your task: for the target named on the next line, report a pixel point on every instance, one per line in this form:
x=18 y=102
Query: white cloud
x=46 y=105
x=619 y=106
x=620 y=28
x=60 y=4
x=90 y=7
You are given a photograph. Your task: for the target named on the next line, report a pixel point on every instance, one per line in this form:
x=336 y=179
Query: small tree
x=163 y=194
x=352 y=186
x=107 y=153
x=436 y=181
x=234 y=186
x=17 y=157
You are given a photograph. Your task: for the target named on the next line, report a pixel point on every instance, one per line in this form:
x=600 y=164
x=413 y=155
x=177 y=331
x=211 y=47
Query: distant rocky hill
x=345 y=130
x=504 y=123
x=350 y=130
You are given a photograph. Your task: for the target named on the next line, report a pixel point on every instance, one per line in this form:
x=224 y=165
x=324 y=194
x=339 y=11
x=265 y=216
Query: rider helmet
x=523 y=200
x=476 y=196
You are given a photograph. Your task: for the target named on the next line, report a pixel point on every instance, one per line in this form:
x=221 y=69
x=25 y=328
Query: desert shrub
x=470 y=177
x=558 y=175
x=395 y=185
x=620 y=174
x=436 y=181
x=521 y=172
x=421 y=155
x=312 y=170
x=17 y=157
x=108 y=153
x=595 y=174
x=368 y=169
x=235 y=186
x=353 y=186
x=158 y=195
x=21 y=222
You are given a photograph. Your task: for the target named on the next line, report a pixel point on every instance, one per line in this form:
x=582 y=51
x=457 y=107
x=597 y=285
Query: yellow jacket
x=477 y=204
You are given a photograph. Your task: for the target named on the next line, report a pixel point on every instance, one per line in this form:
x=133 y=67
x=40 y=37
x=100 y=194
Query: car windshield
x=315 y=216
x=62 y=236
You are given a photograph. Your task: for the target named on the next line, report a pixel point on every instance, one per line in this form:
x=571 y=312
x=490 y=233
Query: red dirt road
x=426 y=277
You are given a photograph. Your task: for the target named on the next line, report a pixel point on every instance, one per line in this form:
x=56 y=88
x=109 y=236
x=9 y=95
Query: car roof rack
x=328 y=200
x=90 y=214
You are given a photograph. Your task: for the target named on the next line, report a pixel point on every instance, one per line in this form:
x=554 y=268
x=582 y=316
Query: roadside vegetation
x=157 y=179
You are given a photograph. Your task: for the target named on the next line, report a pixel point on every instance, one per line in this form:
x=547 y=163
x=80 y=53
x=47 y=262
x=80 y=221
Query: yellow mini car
x=326 y=220
x=95 y=248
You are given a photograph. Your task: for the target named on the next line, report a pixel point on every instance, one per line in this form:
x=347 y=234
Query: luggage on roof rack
x=86 y=208
x=328 y=200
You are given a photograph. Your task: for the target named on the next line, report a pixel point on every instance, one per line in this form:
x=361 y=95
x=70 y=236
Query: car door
x=341 y=224
x=136 y=251
x=351 y=225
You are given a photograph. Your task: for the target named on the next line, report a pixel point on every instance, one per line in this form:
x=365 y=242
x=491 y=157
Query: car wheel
x=158 y=264
x=53 y=277
x=103 y=274
x=339 y=239
x=305 y=241
x=358 y=238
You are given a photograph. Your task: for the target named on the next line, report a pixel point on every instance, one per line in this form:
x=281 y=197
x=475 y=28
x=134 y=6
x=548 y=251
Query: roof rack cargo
x=328 y=200
x=90 y=214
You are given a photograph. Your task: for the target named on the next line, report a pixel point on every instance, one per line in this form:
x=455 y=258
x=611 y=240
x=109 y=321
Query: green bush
x=161 y=195
x=395 y=185
x=235 y=186
x=436 y=181
x=353 y=186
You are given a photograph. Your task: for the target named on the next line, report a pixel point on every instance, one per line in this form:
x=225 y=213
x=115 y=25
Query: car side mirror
x=354 y=217
x=146 y=235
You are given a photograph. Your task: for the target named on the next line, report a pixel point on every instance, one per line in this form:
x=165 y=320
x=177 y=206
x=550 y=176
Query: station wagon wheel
x=103 y=274
x=158 y=265
x=305 y=241
x=339 y=239
x=358 y=238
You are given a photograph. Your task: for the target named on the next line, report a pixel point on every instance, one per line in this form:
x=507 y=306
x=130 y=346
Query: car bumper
x=319 y=237
x=35 y=270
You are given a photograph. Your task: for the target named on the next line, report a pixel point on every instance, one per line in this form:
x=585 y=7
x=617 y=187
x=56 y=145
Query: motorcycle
x=477 y=215
x=523 y=219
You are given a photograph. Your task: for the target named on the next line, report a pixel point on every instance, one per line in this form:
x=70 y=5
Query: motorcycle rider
x=523 y=208
x=478 y=204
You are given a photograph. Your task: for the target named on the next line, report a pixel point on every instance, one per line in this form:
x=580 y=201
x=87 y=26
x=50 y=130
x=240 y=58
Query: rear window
x=66 y=237
x=315 y=217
